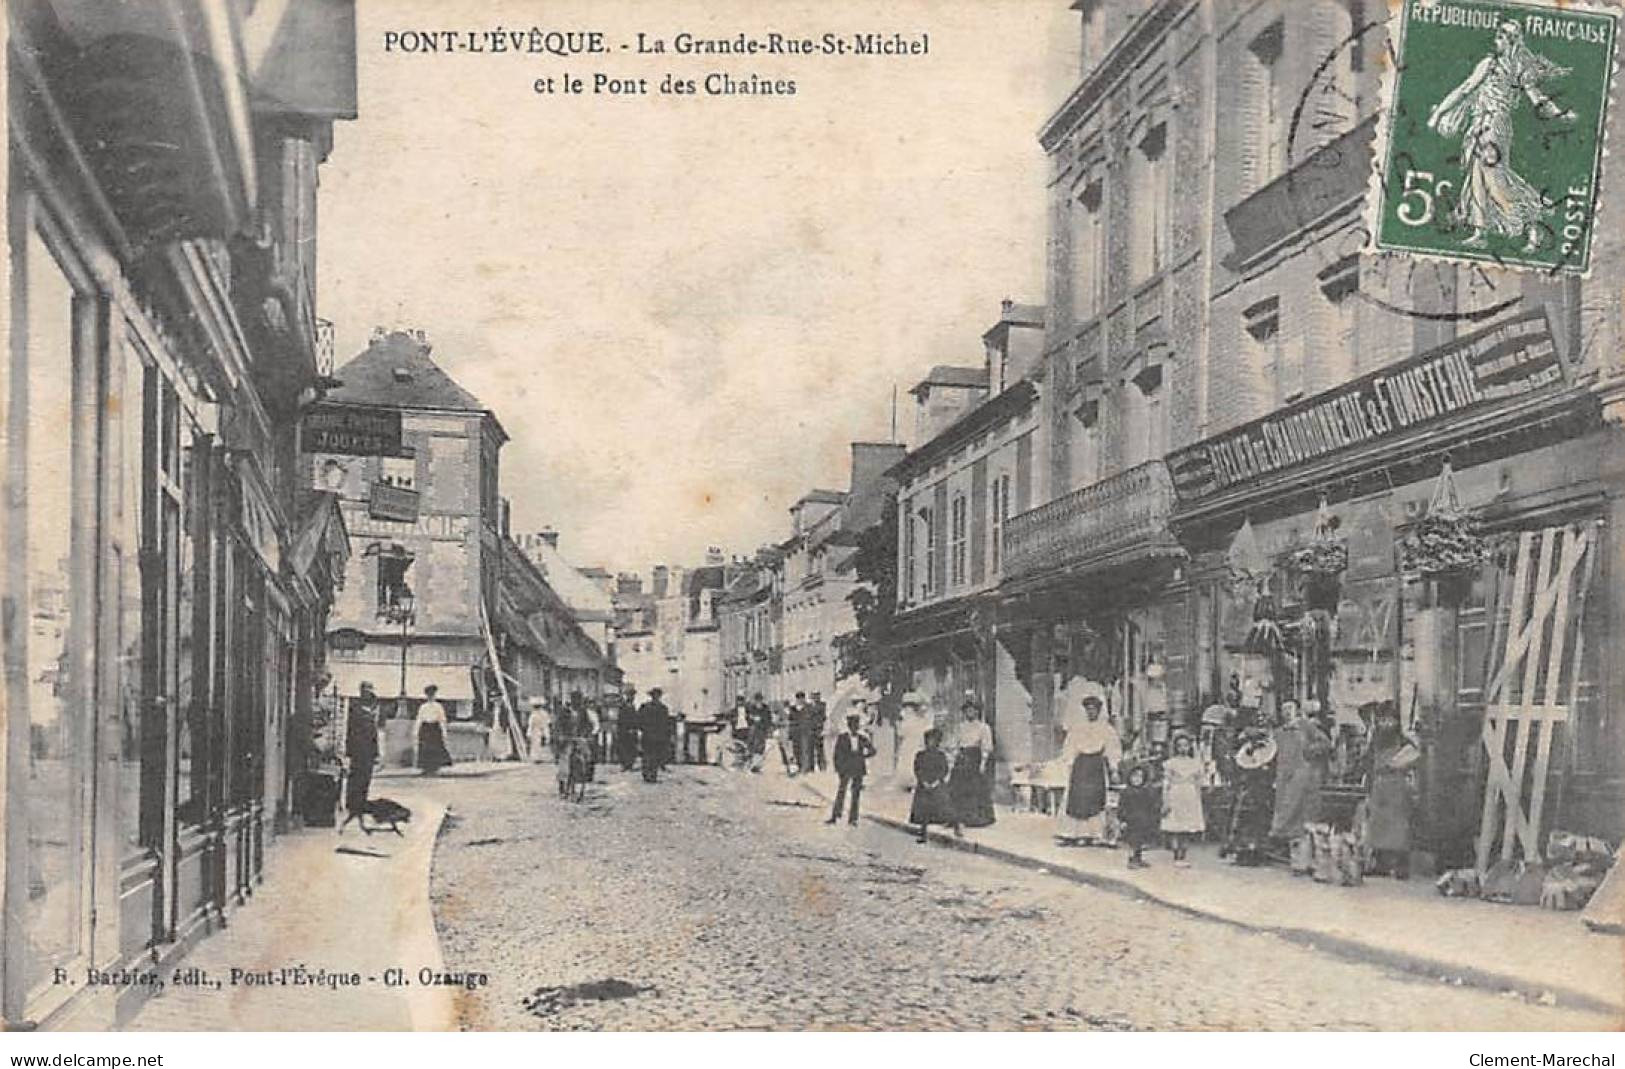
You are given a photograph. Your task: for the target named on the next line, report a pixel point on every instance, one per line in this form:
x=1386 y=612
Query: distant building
x=589 y=592
x=424 y=528
x=956 y=493
x=816 y=578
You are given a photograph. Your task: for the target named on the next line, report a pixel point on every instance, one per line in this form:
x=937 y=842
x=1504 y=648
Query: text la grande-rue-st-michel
x=573 y=43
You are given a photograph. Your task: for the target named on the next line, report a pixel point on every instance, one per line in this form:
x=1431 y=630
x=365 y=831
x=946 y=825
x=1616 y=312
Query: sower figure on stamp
x=853 y=749
x=1494 y=197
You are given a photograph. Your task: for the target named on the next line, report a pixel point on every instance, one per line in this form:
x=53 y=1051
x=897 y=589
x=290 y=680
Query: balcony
x=1107 y=523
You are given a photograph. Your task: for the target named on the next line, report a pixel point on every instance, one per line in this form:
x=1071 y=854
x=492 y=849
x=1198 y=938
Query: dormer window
x=403 y=374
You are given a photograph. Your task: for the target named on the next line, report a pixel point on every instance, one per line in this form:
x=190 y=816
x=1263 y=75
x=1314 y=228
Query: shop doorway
x=1524 y=686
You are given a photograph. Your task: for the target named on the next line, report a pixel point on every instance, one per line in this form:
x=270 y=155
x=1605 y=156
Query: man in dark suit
x=852 y=752
x=654 y=729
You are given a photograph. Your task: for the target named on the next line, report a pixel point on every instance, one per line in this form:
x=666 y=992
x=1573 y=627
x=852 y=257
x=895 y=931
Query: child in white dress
x=1182 y=815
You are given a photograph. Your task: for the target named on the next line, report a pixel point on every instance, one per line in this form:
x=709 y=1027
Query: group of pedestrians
x=634 y=735
x=952 y=789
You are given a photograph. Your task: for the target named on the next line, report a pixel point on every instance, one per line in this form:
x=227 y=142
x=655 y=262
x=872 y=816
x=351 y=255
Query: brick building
x=1246 y=427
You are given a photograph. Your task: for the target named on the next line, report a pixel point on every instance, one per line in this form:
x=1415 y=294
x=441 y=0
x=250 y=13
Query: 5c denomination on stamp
x=1490 y=145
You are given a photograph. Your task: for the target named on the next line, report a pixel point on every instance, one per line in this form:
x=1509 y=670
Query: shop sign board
x=394 y=503
x=1515 y=357
x=357 y=430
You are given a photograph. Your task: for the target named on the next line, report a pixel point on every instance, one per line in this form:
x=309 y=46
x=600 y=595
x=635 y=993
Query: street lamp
x=400 y=610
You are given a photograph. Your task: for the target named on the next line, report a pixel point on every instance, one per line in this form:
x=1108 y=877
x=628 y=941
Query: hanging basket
x=1326 y=555
x=1448 y=540
x=1320 y=558
x=1444 y=544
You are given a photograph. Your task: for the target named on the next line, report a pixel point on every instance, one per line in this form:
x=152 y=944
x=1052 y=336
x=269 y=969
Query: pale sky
x=684 y=309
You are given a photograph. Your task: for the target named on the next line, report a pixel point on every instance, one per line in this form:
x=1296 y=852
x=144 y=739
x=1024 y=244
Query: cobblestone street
x=714 y=900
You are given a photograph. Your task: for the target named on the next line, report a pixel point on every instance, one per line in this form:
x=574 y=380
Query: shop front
x=1091 y=606
x=1428 y=542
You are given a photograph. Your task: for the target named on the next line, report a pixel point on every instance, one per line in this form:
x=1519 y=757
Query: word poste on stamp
x=1492 y=139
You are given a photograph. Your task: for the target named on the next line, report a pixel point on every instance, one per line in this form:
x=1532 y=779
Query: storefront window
x=126 y=419
x=189 y=779
x=52 y=905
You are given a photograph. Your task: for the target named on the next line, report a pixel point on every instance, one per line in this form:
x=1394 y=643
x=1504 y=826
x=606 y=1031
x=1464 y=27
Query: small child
x=1182 y=815
x=1139 y=810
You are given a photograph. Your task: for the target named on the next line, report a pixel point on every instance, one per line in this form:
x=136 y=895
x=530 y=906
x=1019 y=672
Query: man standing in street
x=360 y=751
x=626 y=731
x=817 y=717
x=761 y=726
x=796 y=723
x=654 y=725
x=853 y=749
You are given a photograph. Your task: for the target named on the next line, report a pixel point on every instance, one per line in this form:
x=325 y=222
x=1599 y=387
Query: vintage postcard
x=936 y=515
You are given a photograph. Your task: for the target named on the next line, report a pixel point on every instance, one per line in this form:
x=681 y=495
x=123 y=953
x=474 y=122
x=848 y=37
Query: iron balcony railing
x=1093 y=523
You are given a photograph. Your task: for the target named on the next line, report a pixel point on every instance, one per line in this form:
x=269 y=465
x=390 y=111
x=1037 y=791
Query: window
x=927 y=519
x=127 y=542
x=1265 y=110
x=956 y=538
x=999 y=510
x=910 y=555
x=1085 y=445
x=52 y=676
x=1148 y=222
x=391 y=579
x=1088 y=252
x=399 y=472
x=1145 y=434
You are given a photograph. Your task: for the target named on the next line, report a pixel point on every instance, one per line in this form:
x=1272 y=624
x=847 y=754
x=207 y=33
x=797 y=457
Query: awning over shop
x=511 y=623
x=576 y=653
x=321 y=537
x=454 y=680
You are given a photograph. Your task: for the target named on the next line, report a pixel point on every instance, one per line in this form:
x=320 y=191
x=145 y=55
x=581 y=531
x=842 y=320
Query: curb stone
x=1339 y=946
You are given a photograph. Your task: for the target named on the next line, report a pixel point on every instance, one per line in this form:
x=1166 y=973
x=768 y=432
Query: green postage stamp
x=1491 y=141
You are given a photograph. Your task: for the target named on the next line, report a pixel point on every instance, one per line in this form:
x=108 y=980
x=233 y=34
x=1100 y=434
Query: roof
x=395 y=372
x=705 y=577
x=1012 y=314
x=574 y=585
x=822 y=497
x=1016 y=399
x=951 y=375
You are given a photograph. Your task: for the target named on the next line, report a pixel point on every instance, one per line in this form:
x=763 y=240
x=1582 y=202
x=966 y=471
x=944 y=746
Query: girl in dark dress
x=1139 y=810
x=932 y=803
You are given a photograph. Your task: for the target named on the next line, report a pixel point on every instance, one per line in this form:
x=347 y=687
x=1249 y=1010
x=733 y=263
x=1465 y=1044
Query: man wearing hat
x=654 y=729
x=853 y=748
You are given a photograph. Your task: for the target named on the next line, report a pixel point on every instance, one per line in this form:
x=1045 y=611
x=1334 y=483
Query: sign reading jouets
x=357 y=430
x=1515 y=357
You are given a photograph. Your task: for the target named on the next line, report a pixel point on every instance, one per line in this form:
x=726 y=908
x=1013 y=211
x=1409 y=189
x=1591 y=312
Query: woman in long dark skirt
x=970 y=786
x=932 y=802
x=1092 y=751
x=431 y=725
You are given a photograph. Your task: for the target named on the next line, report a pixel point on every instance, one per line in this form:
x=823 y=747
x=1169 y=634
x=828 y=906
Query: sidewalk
x=1404 y=925
x=351 y=904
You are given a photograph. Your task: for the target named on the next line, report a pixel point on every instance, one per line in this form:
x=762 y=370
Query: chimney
x=659 y=576
x=505 y=511
x=549 y=535
x=628 y=583
x=870 y=461
x=713 y=555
